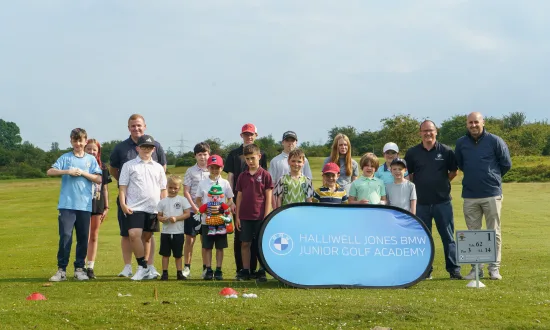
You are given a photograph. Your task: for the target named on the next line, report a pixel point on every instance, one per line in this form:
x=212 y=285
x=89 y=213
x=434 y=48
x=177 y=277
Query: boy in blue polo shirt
x=367 y=189
x=384 y=173
x=78 y=170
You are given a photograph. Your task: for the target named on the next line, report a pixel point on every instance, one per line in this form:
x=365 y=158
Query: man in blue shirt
x=432 y=167
x=484 y=158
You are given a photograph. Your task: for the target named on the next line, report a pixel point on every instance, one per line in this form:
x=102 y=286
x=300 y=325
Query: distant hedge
x=538 y=173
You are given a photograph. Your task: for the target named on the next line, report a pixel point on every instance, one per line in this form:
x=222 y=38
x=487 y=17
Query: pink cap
x=215 y=160
x=249 y=128
x=331 y=168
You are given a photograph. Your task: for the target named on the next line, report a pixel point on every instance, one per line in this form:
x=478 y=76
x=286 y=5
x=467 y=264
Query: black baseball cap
x=399 y=161
x=290 y=134
x=146 y=140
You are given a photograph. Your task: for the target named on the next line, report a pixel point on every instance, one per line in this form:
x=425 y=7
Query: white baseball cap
x=390 y=146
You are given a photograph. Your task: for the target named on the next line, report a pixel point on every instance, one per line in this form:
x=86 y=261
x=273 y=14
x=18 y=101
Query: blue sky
x=203 y=68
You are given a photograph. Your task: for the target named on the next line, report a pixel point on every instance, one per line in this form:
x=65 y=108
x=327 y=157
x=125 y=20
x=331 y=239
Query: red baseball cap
x=249 y=128
x=331 y=168
x=215 y=160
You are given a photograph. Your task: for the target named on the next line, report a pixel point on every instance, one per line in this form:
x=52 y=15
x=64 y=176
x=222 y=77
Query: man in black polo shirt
x=123 y=152
x=234 y=166
x=432 y=166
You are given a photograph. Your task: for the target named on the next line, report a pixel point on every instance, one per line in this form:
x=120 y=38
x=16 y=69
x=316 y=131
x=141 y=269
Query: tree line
x=20 y=159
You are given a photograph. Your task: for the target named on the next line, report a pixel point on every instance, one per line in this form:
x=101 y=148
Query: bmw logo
x=281 y=244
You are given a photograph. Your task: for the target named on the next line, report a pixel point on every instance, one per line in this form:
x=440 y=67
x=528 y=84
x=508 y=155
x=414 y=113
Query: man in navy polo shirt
x=123 y=152
x=484 y=158
x=432 y=166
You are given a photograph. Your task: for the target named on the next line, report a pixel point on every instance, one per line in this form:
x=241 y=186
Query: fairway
x=29 y=240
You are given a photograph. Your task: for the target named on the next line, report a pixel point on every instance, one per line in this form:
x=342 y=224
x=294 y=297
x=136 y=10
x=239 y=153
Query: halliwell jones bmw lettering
x=333 y=245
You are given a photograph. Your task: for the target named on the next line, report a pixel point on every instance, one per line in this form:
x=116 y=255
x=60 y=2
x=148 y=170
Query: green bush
x=539 y=173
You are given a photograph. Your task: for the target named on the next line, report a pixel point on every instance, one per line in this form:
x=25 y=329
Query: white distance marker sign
x=475 y=246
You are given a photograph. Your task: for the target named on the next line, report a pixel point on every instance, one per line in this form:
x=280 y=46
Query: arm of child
x=187 y=195
x=96 y=178
x=163 y=193
x=237 y=220
x=268 y=199
x=413 y=206
x=57 y=172
x=122 y=200
x=161 y=217
x=185 y=215
x=278 y=201
x=106 y=199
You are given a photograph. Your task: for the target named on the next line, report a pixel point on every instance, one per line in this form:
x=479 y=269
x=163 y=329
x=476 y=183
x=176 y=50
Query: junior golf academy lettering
x=327 y=245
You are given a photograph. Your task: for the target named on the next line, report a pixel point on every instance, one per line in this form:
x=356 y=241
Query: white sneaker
x=495 y=274
x=80 y=274
x=186 y=272
x=472 y=274
x=126 y=272
x=153 y=273
x=61 y=275
x=203 y=273
x=141 y=274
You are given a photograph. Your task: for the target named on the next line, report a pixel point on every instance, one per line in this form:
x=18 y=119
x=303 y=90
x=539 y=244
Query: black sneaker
x=164 y=277
x=253 y=274
x=260 y=276
x=180 y=277
x=90 y=273
x=456 y=275
x=209 y=275
x=218 y=275
x=243 y=275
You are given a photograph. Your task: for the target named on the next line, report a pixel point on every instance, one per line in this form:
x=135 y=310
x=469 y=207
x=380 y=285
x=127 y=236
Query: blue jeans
x=80 y=221
x=444 y=221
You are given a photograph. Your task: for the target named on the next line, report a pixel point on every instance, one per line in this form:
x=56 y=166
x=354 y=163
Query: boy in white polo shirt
x=219 y=241
x=193 y=176
x=279 y=165
x=142 y=184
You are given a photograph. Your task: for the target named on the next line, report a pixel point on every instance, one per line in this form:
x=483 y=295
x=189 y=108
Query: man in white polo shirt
x=142 y=184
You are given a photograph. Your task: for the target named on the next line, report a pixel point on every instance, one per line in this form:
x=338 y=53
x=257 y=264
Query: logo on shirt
x=281 y=244
x=88 y=164
x=259 y=179
x=177 y=205
x=439 y=157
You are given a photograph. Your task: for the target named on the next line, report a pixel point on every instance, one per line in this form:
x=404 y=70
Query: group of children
x=148 y=197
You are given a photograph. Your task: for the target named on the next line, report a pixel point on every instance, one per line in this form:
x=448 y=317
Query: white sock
x=90 y=264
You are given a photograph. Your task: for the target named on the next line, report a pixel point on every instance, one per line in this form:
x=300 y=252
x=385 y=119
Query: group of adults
x=481 y=156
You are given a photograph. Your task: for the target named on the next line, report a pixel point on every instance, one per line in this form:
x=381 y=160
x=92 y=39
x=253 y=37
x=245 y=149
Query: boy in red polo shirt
x=254 y=196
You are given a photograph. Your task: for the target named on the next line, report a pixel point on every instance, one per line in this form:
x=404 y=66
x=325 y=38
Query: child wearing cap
x=391 y=152
x=78 y=170
x=142 y=184
x=234 y=166
x=193 y=176
x=172 y=212
x=293 y=187
x=330 y=191
x=218 y=240
x=368 y=189
x=401 y=193
x=279 y=165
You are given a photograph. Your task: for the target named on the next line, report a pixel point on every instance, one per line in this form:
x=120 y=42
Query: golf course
x=29 y=240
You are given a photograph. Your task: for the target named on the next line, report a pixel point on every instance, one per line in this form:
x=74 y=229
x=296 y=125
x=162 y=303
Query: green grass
x=29 y=244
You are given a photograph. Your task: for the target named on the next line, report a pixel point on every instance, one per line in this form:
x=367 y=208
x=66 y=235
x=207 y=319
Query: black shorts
x=122 y=225
x=143 y=220
x=208 y=242
x=189 y=225
x=250 y=229
x=171 y=244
